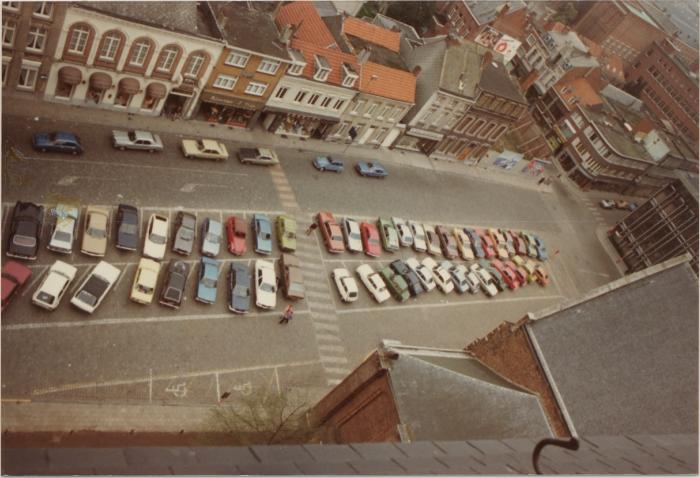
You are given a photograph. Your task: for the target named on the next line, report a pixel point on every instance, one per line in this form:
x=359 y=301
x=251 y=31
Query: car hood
x=156 y=251
x=240 y=302
x=264 y=244
x=266 y=298
x=205 y=292
x=96 y=245
x=209 y=247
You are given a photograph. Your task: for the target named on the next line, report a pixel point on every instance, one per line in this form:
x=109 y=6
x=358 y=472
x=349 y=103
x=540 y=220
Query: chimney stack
x=487 y=58
x=285 y=35
x=503 y=10
x=416 y=70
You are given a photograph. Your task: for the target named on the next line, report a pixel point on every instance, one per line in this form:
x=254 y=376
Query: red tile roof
x=310 y=26
x=335 y=58
x=513 y=23
x=388 y=82
x=372 y=33
x=580 y=88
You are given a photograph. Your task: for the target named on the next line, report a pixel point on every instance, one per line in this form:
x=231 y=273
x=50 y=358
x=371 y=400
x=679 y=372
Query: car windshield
x=24 y=241
x=213 y=238
x=336 y=238
x=265 y=287
x=62 y=236
x=354 y=235
x=173 y=293
x=373 y=241
x=45 y=297
x=99 y=233
x=144 y=289
x=186 y=234
x=207 y=282
x=127 y=228
x=86 y=297
x=241 y=290
x=157 y=239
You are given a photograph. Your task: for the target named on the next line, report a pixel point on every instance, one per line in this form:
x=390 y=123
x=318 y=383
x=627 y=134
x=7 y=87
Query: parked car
x=371 y=169
x=127 y=227
x=396 y=284
x=57 y=141
x=485 y=279
x=495 y=275
x=236 y=230
x=390 y=239
x=204 y=149
x=498 y=242
x=473 y=280
x=95 y=287
x=464 y=245
x=207 y=281
x=520 y=272
x=418 y=233
x=432 y=241
x=487 y=244
x=541 y=249
x=54 y=285
x=475 y=241
x=370 y=239
x=286 y=233
x=145 y=281
x=63 y=230
x=373 y=282
x=510 y=246
x=530 y=244
x=346 y=284
x=96 y=231
x=172 y=291
x=238 y=288
x=331 y=233
x=425 y=275
x=292 y=278
x=262 y=230
x=212 y=231
x=403 y=231
x=262 y=156
x=527 y=265
x=351 y=234
x=265 y=285
x=607 y=203
x=328 y=163
x=156 y=239
x=136 y=139
x=506 y=273
x=458 y=274
x=622 y=204
x=185 y=233
x=414 y=286
x=518 y=243
x=25 y=230
x=14 y=276
x=633 y=205
x=442 y=278
x=448 y=244
x=541 y=276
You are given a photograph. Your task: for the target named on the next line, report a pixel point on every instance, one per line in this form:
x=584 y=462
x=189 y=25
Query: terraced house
x=137 y=57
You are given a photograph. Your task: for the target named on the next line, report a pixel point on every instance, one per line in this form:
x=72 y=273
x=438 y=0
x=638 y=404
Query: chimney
x=451 y=40
x=222 y=19
x=363 y=55
x=286 y=34
x=503 y=10
x=416 y=70
x=487 y=58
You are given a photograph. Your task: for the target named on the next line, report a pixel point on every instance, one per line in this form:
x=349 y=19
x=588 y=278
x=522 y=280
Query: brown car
x=292 y=278
x=447 y=242
x=331 y=232
x=95 y=232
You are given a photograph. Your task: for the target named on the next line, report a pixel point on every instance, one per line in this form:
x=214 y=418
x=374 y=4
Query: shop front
x=230 y=111
x=292 y=124
x=417 y=139
x=97 y=86
x=69 y=78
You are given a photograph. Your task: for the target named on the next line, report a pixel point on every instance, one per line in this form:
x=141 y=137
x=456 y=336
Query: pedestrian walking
x=541 y=180
x=556 y=253
x=288 y=315
x=311 y=228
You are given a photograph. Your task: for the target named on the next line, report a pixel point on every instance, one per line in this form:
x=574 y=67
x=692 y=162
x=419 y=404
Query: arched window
x=109 y=47
x=195 y=64
x=139 y=52
x=168 y=58
x=78 y=40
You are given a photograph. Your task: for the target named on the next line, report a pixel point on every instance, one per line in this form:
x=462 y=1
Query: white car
x=500 y=243
x=432 y=241
x=265 y=285
x=139 y=140
x=485 y=280
x=425 y=275
x=373 y=282
x=404 y=233
x=418 y=236
x=440 y=275
x=204 y=149
x=351 y=234
x=51 y=290
x=95 y=287
x=156 y=239
x=145 y=280
x=347 y=287
x=473 y=280
x=63 y=233
x=464 y=245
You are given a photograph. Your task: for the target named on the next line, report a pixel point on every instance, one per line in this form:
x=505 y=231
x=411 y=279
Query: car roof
x=65 y=135
x=210 y=144
x=266 y=151
x=20 y=271
x=141 y=134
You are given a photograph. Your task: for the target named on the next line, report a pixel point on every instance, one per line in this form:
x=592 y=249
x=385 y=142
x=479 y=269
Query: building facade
x=30 y=32
x=131 y=57
x=664 y=226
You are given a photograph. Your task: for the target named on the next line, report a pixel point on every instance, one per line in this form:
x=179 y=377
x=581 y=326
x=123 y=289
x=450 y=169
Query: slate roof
x=405 y=30
x=624 y=358
x=486 y=11
x=597 y=455
x=460 y=69
x=495 y=79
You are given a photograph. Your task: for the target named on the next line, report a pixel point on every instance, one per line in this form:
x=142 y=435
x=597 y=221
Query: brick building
x=665 y=226
x=467 y=18
x=661 y=78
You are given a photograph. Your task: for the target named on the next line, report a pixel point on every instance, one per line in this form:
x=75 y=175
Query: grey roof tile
x=152 y=455
x=332 y=452
x=132 y=470
x=63 y=470
x=16 y=458
x=87 y=457
x=377 y=450
x=326 y=468
x=281 y=453
x=491 y=447
x=421 y=465
x=526 y=445
x=419 y=449
x=458 y=448
x=376 y=467
x=204 y=469
x=221 y=455
x=461 y=465
x=268 y=469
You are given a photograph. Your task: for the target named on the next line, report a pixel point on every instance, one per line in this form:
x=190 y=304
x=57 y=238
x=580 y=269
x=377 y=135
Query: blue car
x=262 y=229
x=372 y=169
x=541 y=250
x=239 y=288
x=207 y=280
x=328 y=163
x=59 y=141
x=476 y=243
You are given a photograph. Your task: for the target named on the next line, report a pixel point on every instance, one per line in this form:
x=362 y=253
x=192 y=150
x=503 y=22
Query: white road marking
x=323 y=315
x=601 y=274
x=331 y=327
x=333 y=381
x=337 y=370
x=30 y=286
x=121 y=276
x=328 y=359
x=332 y=348
x=327 y=337
x=150 y=384
x=316 y=288
x=77 y=283
x=218 y=388
x=322 y=306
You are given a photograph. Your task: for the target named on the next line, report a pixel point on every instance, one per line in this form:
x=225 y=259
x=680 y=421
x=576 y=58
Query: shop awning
x=129 y=86
x=228 y=101
x=276 y=109
x=156 y=90
x=70 y=75
x=100 y=81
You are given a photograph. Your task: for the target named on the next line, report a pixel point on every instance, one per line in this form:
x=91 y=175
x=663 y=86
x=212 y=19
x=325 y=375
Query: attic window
x=349 y=76
x=298 y=62
x=323 y=68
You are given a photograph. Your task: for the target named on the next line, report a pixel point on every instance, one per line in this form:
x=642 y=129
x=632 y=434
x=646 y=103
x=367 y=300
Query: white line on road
x=337 y=370
x=333 y=381
x=322 y=326
x=328 y=359
x=601 y=274
x=218 y=388
x=332 y=348
x=327 y=337
x=30 y=286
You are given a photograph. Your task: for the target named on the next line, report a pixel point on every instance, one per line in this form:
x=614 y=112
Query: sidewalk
x=21 y=105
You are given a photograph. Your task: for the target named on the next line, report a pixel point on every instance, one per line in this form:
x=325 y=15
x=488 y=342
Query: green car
x=396 y=284
x=286 y=233
x=497 y=277
x=390 y=238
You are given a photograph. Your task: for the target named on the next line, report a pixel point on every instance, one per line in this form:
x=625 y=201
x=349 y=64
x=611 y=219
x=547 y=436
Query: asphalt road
x=129 y=352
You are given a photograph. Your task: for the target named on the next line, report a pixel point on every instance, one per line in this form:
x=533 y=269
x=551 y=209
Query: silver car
x=139 y=140
x=211 y=237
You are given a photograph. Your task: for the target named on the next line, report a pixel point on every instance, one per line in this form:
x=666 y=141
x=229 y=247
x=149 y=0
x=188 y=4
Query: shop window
x=43 y=9
x=225 y=82
x=281 y=92
x=379 y=135
x=36 y=37
x=8 y=32
x=255 y=88
x=78 y=40
x=342 y=129
x=27 y=77
x=268 y=66
x=239 y=60
x=167 y=58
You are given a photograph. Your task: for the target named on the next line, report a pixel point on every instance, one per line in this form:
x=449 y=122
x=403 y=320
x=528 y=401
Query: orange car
x=331 y=232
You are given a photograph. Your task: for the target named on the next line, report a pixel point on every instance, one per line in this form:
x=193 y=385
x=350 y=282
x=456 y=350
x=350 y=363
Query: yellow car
x=96 y=231
x=145 y=281
x=204 y=149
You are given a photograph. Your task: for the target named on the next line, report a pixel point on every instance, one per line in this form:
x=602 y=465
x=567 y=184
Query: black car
x=25 y=228
x=414 y=285
x=127 y=227
x=173 y=288
x=239 y=288
x=184 y=237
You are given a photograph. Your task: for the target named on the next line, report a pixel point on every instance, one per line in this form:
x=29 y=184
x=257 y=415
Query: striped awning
x=156 y=90
x=129 y=86
x=100 y=81
x=70 y=75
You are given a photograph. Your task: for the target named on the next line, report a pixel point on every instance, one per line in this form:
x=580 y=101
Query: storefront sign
x=228 y=101
x=277 y=109
x=421 y=133
x=498 y=42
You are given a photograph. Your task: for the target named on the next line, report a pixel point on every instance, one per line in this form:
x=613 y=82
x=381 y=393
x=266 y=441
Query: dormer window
x=323 y=68
x=298 y=62
x=349 y=76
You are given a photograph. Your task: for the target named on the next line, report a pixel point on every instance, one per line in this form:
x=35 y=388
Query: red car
x=236 y=229
x=448 y=243
x=14 y=276
x=520 y=272
x=331 y=232
x=370 y=239
x=508 y=275
x=487 y=244
x=518 y=244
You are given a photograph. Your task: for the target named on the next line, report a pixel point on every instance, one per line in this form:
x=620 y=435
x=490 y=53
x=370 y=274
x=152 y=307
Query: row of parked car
x=390 y=234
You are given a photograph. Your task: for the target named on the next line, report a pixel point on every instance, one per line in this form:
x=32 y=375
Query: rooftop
x=485 y=12
x=461 y=68
x=404 y=29
x=373 y=34
x=496 y=79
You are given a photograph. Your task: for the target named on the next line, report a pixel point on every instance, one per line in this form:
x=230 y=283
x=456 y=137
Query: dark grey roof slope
x=495 y=79
x=464 y=401
x=645 y=454
x=486 y=11
x=625 y=359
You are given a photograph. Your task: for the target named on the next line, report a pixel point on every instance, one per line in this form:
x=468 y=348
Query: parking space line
x=121 y=276
x=331 y=327
x=327 y=359
x=321 y=306
x=332 y=348
x=327 y=337
x=77 y=283
x=30 y=286
x=337 y=370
